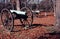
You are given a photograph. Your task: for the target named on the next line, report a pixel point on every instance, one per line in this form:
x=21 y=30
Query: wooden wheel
x=7 y=19
x=29 y=20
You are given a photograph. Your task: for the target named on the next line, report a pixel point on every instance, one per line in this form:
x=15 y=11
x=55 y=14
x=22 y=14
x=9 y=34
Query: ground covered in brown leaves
x=37 y=31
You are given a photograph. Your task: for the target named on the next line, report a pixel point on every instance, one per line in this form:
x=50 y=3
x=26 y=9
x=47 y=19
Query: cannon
x=9 y=14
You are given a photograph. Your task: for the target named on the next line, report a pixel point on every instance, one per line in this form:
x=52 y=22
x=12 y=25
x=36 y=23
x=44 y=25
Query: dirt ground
x=37 y=30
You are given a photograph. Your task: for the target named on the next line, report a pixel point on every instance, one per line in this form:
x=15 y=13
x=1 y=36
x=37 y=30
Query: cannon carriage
x=9 y=14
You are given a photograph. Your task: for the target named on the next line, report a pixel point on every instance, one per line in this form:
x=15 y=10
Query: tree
x=17 y=4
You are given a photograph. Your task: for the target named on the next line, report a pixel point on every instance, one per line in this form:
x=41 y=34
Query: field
x=38 y=29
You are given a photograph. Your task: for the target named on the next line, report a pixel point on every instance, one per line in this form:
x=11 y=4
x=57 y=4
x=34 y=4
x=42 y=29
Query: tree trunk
x=17 y=5
x=58 y=12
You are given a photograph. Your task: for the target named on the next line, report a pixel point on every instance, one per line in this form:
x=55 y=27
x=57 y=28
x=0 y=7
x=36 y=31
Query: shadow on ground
x=31 y=27
x=50 y=36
